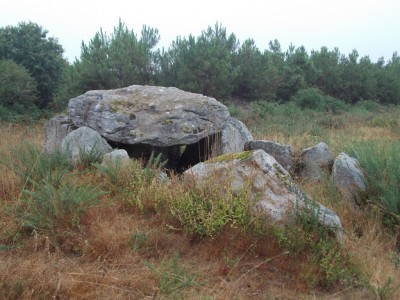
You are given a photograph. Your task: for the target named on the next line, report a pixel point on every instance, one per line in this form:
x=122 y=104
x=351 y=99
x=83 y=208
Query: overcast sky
x=372 y=27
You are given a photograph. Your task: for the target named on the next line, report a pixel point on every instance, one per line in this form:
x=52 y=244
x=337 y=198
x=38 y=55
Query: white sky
x=370 y=27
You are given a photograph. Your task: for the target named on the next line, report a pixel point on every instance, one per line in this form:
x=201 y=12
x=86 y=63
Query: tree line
x=35 y=76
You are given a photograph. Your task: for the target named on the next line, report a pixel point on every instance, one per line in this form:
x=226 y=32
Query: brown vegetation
x=130 y=247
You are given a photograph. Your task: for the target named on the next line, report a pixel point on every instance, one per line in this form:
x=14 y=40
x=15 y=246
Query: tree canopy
x=28 y=45
x=214 y=63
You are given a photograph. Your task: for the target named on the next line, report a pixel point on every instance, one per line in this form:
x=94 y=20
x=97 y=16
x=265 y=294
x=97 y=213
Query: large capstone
x=149 y=115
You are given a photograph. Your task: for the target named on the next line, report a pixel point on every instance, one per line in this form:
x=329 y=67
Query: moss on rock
x=231 y=156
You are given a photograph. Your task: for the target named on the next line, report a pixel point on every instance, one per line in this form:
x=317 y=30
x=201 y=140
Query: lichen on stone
x=284 y=177
x=231 y=156
x=168 y=121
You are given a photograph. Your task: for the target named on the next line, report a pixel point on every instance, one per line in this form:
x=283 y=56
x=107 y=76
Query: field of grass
x=91 y=232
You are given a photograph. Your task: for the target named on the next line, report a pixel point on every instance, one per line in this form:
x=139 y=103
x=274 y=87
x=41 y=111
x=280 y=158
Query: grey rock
x=119 y=156
x=55 y=130
x=349 y=178
x=271 y=188
x=234 y=136
x=282 y=153
x=150 y=115
x=84 y=141
x=316 y=162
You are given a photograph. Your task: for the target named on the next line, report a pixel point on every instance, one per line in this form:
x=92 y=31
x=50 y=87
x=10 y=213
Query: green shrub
x=17 y=88
x=388 y=121
x=49 y=207
x=32 y=166
x=137 y=240
x=368 y=105
x=206 y=211
x=380 y=162
x=112 y=169
x=313 y=98
x=154 y=166
x=263 y=107
x=233 y=110
x=171 y=276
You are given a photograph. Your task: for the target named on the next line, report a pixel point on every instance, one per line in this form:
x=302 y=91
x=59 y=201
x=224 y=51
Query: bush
x=17 y=91
x=313 y=98
x=263 y=107
x=380 y=162
x=206 y=211
x=32 y=166
x=368 y=105
x=49 y=207
x=171 y=276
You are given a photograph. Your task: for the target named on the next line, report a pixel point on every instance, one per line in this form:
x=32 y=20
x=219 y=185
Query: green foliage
x=388 y=121
x=17 y=87
x=117 y=60
x=380 y=162
x=233 y=110
x=206 y=211
x=142 y=184
x=154 y=166
x=138 y=240
x=32 y=166
x=386 y=291
x=312 y=98
x=112 y=169
x=368 y=105
x=171 y=276
x=203 y=65
x=28 y=45
x=306 y=237
x=12 y=290
x=90 y=156
x=50 y=207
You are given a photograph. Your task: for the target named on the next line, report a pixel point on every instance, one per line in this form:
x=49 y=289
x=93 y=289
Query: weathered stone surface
x=272 y=189
x=233 y=137
x=282 y=153
x=119 y=156
x=348 y=177
x=55 y=130
x=150 y=115
x=316 y=162
x=84 y=140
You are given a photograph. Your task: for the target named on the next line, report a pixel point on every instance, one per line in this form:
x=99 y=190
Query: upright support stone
x=55 y=130
x=233 y=137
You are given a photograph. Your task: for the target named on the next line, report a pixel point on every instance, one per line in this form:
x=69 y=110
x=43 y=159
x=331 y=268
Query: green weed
x=137 y=240
x=49 y=207
x=205 y=212
x=380 y=162
x=386 y=291
x=171 y=276
x=32 y=166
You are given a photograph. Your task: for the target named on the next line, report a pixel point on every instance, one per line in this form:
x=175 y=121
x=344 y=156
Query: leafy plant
x=386 y=291
x=313 y=98
x=171 y=276
x=154 y=166
x=380 y=162
x=32 y=166
x=90 y=155
x=138 y=240
x=206 y=211
x=50 y=207
x=112 y=169
x=233 y=110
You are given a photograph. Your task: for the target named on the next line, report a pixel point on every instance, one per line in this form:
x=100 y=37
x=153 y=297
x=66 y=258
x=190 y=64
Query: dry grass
x=104 y=257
